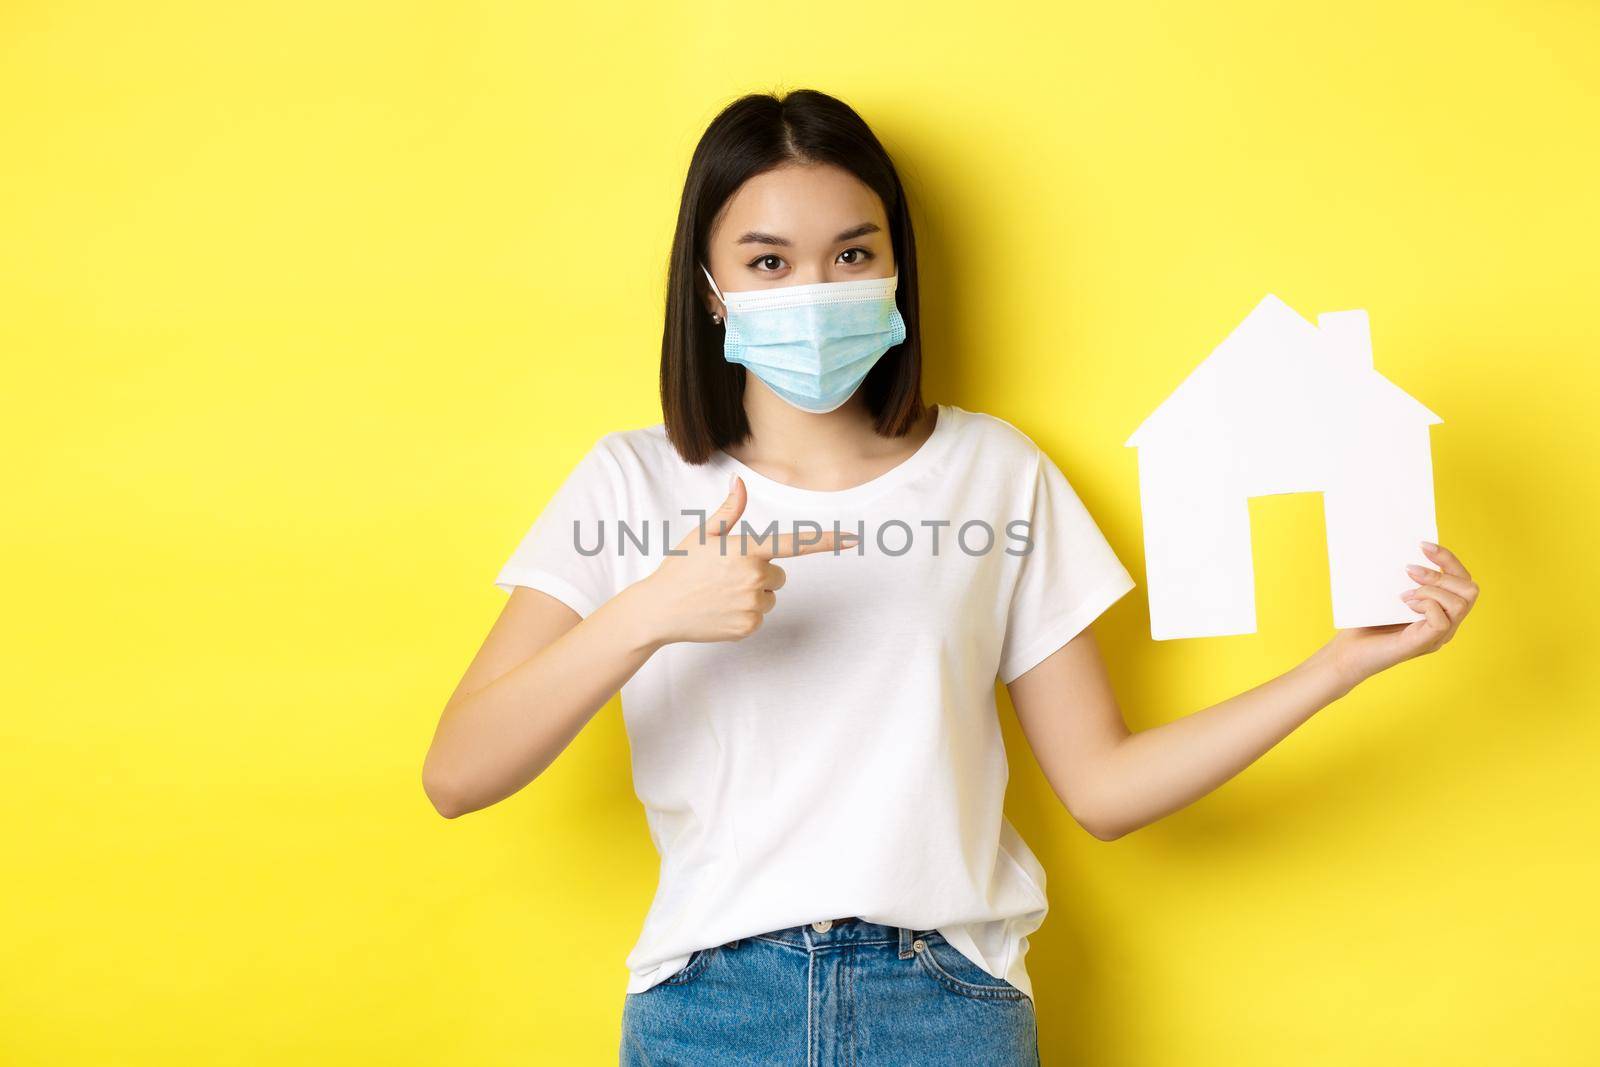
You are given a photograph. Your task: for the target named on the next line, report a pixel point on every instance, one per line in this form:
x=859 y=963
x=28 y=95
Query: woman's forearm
x=713 y=586
x=1151 y=773
x=496 y=740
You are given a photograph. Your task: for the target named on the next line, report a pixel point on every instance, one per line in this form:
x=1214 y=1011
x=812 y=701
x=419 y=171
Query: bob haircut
x=702 y=394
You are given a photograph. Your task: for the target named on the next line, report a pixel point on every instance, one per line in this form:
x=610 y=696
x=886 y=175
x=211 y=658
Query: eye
x=763 y=259
x=865 y=255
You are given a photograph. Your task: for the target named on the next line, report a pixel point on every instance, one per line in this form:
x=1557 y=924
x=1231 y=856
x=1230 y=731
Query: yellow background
x=309 y=307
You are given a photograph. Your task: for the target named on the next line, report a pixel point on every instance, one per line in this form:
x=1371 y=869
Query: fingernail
x=1416 y=571
x=733 y=480
x=1430 y=546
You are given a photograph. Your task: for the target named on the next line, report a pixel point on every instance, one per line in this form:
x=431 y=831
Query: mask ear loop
x=714 y=316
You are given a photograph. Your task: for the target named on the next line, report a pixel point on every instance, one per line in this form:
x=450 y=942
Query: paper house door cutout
x=1282 y=406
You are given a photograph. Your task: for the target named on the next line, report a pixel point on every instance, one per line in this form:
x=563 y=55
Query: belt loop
x=905 y=943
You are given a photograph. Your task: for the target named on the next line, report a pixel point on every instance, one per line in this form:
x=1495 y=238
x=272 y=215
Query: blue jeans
x=857 y=994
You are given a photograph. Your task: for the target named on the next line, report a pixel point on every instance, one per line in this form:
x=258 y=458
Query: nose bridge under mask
x=822 y=326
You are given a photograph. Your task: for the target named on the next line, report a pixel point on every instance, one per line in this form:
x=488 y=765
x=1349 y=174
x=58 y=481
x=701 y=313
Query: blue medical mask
x=812 y=344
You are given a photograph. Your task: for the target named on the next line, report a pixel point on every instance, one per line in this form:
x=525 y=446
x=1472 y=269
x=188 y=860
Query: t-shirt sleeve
x=1067 y=577
x=561 y=554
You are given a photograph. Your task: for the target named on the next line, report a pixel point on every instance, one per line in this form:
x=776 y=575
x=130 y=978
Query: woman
x=807 y=671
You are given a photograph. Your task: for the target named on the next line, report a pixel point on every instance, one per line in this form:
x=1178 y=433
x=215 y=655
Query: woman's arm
x=540 y=676
x=543 y=671
x=1114 y=781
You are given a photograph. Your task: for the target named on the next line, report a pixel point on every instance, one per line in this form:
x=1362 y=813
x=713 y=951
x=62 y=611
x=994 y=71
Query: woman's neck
x=824 y=452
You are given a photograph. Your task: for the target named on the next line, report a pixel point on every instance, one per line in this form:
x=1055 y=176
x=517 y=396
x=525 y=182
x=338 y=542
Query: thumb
x=720 y=521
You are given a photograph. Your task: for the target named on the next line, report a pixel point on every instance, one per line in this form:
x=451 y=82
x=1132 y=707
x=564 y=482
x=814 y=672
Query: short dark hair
x=702 y=394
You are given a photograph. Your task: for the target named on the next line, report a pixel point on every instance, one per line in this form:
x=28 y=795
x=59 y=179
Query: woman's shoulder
x=997 y=437
x=641 y=451
x=640 y=440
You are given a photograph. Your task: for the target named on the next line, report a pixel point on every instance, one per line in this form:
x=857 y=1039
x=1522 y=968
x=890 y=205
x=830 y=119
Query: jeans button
x=823 y=926
x=919 y=945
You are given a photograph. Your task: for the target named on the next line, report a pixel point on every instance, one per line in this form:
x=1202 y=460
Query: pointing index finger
x=792 y=545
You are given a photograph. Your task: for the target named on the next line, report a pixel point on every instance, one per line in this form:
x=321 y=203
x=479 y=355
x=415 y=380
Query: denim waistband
x=847 y=931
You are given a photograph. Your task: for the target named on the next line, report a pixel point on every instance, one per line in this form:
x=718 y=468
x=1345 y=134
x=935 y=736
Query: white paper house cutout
x=1282 y=406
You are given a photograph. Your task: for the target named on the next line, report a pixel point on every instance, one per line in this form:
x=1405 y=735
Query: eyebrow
x=756 y=237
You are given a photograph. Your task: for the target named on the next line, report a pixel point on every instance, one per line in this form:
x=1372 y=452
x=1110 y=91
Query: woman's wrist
x=1340 y=674
x=641 y=617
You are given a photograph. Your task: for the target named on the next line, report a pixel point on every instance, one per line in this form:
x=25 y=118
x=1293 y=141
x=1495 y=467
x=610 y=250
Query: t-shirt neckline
x=759 y=484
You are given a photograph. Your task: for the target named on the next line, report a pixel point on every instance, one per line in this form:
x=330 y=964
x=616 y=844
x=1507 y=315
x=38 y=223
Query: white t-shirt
x=845 y=759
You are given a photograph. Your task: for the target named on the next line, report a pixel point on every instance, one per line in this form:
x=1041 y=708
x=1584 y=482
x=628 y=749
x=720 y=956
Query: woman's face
x=795 y=225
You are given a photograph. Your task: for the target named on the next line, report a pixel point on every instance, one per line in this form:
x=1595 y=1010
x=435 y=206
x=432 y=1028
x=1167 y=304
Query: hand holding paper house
x=1282 y=406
